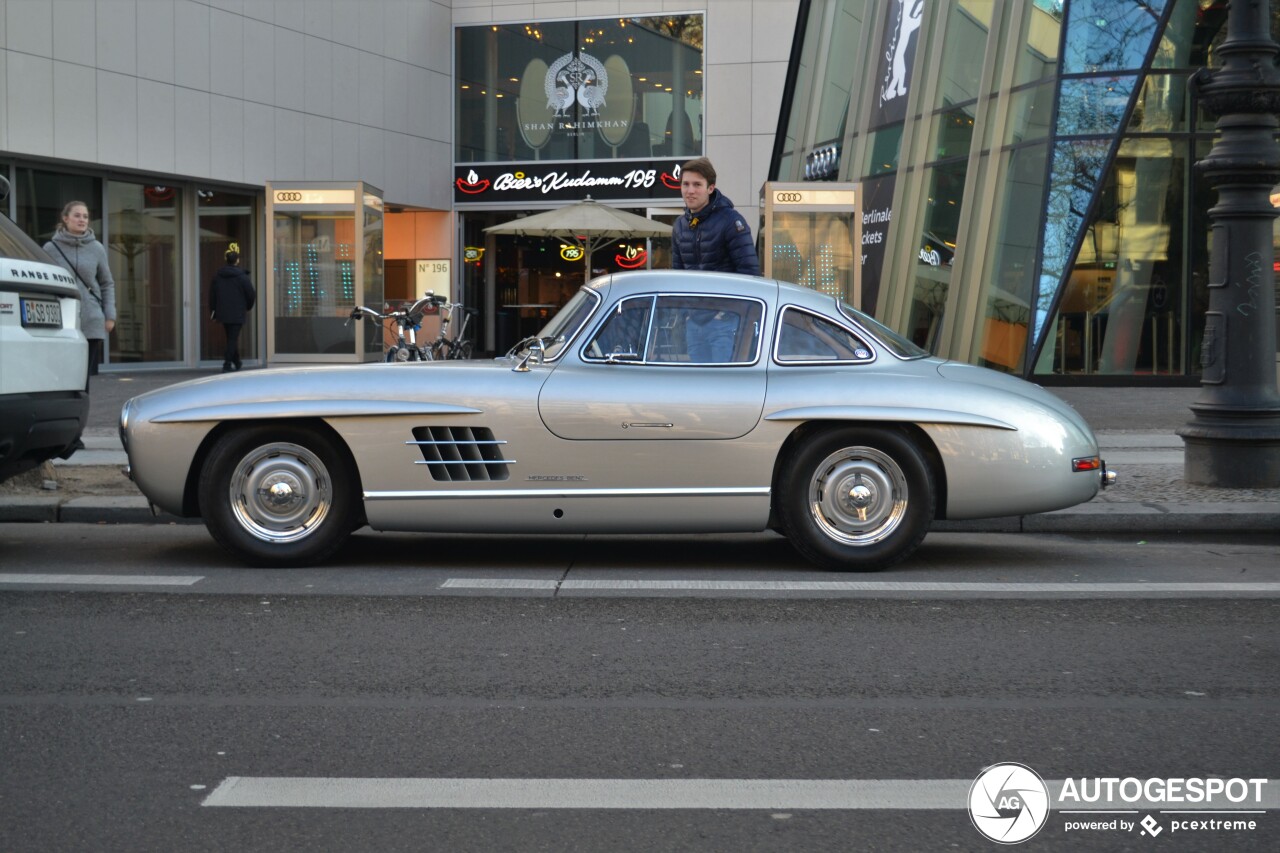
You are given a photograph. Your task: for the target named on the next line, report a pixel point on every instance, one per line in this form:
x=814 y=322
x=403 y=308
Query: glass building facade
x=164 y=242
x=1030 y=201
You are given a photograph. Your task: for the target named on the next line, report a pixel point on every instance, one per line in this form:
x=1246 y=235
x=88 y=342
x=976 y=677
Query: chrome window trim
x=653 y=310
x=855 y=331
x=879 y=339
x=586 y=321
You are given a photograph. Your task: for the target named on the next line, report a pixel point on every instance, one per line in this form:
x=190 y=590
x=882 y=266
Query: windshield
x=897 y=344
x=14 y=243
x=571 y=318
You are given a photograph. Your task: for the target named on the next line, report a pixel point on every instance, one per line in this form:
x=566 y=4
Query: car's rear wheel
x=278 y=495
x=857 y=498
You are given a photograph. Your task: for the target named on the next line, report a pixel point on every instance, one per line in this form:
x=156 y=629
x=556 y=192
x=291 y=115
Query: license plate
x=42 y=312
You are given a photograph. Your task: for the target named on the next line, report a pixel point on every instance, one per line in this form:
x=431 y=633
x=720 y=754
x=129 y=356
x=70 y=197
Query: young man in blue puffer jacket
x=710 y=234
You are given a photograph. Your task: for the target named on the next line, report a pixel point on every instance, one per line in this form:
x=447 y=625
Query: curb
x=1136 y=518
x=122 y=509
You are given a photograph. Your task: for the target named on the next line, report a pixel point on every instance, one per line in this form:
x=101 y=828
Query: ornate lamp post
x=1233 y=439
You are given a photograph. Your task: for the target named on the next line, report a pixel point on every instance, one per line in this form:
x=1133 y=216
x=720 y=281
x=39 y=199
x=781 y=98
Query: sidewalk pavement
x=1135 y=428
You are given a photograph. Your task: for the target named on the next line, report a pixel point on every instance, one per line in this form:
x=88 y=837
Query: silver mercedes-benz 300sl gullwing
x=653 y=402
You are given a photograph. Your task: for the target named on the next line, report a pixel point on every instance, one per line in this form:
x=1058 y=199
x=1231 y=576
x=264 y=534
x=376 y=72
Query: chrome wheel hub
x=858 y=496
x=280 y=492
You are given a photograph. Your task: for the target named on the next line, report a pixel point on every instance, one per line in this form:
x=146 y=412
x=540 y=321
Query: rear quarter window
x=808 y=338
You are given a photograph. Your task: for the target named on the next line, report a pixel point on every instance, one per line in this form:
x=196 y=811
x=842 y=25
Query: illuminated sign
x=633 y=258
x=304 y=196
x=471 y=184
x=472 y=253
x=602 y=180
x=571 y=253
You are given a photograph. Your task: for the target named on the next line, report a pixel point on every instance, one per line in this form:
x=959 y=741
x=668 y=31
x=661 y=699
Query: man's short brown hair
x=701 y=166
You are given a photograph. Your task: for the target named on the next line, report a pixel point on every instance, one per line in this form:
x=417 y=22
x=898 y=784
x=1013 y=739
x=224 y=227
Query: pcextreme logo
x=1009 y=803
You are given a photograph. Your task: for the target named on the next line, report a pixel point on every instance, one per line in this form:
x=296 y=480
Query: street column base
x=1232 y=456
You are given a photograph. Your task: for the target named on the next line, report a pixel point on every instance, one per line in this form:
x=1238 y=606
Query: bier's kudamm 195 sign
x=608 y=180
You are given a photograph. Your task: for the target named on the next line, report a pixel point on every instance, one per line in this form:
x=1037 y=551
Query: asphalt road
x=253 y=710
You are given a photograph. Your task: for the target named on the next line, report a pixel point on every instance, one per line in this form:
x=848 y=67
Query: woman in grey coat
x=74 y=247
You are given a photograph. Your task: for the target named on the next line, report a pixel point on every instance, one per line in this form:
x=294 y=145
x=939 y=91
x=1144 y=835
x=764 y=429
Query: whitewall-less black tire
x=857 y=499
x=278 y=495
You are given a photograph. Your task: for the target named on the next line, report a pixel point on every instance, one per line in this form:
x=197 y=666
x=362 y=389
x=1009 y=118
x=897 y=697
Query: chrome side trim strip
x=455 y=494
x=456 y=441
x=466 y=462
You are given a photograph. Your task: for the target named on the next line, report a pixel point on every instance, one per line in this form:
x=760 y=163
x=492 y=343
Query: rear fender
x=806 y=431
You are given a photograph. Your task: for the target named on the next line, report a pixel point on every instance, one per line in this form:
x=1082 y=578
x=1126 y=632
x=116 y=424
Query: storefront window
x=936 y=255
x=1094 y=105
x=1038 y=57
x=1121 y=310
x=580 y=90
x=39 y=197
x=143 y=225
x=1109 y=35
x=1011 y=247
x=968 y=30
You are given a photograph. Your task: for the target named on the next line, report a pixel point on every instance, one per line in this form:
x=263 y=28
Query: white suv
x=44 y=357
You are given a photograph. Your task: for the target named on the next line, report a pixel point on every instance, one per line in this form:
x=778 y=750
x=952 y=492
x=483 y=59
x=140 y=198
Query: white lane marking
x=103 y=580
x=857 y=586
x=296 y=792
x=422 y=793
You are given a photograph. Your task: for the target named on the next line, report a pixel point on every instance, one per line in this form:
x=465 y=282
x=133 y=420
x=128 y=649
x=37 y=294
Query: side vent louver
x=461 y=454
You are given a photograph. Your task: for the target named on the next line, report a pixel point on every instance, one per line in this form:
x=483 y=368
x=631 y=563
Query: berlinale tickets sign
x=609 y=180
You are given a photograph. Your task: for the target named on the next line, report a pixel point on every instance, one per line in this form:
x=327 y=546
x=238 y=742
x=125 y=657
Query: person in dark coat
x=231 y=295
x=710 y=234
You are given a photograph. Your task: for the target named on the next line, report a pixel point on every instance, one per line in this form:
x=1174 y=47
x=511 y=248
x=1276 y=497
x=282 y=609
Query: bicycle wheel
x=461 y=349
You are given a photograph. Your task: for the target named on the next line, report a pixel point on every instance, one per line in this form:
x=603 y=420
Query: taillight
x=1086 y=463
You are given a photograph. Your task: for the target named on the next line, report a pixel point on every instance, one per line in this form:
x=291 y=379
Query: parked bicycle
x=457 y=346
x=408 y=323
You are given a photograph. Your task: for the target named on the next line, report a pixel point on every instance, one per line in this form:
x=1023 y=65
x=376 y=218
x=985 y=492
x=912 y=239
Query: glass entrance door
x=225 y=223
x=142 y=229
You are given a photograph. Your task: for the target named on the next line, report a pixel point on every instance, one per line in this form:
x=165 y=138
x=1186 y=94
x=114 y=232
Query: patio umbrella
x=588 y=224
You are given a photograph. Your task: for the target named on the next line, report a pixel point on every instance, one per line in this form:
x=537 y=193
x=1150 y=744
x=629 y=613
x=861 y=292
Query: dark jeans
x=232 y=356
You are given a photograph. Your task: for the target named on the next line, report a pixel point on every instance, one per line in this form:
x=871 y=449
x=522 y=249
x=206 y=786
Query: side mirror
x=533 y=355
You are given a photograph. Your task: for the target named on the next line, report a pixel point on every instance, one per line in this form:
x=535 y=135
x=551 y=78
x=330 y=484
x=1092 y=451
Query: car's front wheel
x=857 y=498
x=278 y=495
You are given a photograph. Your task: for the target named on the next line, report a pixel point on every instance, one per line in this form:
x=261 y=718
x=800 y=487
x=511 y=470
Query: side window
x=705 y=330
x=805 y=337
x=624 y=331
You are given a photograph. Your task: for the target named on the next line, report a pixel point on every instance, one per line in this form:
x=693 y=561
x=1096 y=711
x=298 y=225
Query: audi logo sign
x=788 y=198
x=335 y=198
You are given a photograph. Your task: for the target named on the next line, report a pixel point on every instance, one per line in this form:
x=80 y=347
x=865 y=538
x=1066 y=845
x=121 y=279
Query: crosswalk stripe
x=858 y=586
x=101 y=580
x=848 y=794
x=293 y=792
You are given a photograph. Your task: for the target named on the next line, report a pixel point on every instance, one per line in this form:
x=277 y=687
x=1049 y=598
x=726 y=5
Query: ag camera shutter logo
x=1009 y=803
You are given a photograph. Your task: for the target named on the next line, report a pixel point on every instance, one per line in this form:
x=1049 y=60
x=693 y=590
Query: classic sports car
x=653 y=402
